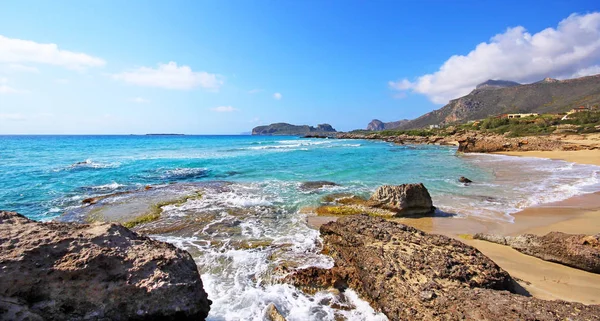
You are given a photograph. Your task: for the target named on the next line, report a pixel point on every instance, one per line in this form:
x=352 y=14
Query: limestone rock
x=410 y=275
x=574 y=250
x=273 y=314
x=405 y=199
x=68 y=271
x=313 y=185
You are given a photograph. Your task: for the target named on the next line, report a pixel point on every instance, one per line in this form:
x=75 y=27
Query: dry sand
x=591 y=157
x=545 y=280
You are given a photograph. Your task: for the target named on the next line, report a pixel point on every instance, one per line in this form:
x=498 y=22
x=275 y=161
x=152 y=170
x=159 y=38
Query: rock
x=273 y=314
x=490 y=143
x=405 y=199
x=313 y=185
x=575 y=250
x=410 y=275
x=91 y=200
x=68 y=271
x=465 y=180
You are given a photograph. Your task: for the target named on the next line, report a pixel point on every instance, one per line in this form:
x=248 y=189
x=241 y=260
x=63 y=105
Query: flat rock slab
x=575 y=250
x=68 y=271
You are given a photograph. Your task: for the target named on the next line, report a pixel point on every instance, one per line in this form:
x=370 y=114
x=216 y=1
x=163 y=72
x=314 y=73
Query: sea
x=260 y=198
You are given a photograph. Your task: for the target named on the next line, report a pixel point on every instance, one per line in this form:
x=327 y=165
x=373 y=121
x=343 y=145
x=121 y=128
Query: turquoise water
x=43 y=177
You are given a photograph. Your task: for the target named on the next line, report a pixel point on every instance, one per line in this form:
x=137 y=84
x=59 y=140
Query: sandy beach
x=576 y=215
x=545 y=280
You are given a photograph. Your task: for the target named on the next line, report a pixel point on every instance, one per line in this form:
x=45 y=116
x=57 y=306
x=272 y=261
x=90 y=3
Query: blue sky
x=223 y=67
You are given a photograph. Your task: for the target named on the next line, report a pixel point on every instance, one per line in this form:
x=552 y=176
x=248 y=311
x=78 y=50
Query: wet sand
x=545 y=280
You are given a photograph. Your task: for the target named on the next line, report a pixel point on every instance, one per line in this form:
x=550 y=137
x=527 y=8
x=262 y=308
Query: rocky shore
x=411 y=275
x=71 y=271
x=481 y=142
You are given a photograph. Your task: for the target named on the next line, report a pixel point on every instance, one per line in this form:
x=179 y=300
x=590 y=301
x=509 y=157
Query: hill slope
x=546 y=96
x=289 y=129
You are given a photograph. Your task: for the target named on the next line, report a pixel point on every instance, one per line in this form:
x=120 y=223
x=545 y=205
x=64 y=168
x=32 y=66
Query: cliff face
x=376 y=124
x=503 y=97
x=288 y=129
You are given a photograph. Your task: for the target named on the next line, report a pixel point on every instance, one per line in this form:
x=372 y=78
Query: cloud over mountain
x=572 y=49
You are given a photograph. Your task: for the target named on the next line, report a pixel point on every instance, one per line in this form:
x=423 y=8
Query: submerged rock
x=67 y=271
x=405 y=199
x=465 y=180
x=575 y=250
x=410 y=275
x=313 y=185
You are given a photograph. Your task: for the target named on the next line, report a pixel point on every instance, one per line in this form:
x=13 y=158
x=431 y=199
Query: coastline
x=579 y=214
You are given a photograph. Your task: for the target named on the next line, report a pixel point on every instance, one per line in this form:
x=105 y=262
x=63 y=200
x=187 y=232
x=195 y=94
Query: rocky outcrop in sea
x=102 y=271
x=411 y=275
x=405 y=199
x=575 y=250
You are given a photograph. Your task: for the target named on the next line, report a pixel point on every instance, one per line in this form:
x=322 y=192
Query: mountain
x=288 y=129
x=546 y=96
x=376 y=124
x=494 y=84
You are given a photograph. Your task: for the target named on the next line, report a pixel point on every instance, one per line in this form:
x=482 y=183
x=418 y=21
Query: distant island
x=165 y=134
x=281 y=129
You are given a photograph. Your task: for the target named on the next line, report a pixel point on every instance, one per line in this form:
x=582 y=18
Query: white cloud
x=12 y=117
x=277 y=96
x=224 y=109
x=24 y=51
x=170 y=76
x=6 y=89
x=570 y=50
x=593 y=70
x=254 y=120
x=139 y=100
x=255 y=91
x=23 y=68
x=61 y=81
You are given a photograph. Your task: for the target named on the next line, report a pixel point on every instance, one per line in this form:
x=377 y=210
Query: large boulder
x=410 y=275
x=405 y=199
x=575 y=250
x=67 y=271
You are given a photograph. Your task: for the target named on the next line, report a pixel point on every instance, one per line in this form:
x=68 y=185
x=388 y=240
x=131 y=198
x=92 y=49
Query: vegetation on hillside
x=583 y=122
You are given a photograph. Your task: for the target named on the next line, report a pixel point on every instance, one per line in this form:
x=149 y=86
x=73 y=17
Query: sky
x=224 y=67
